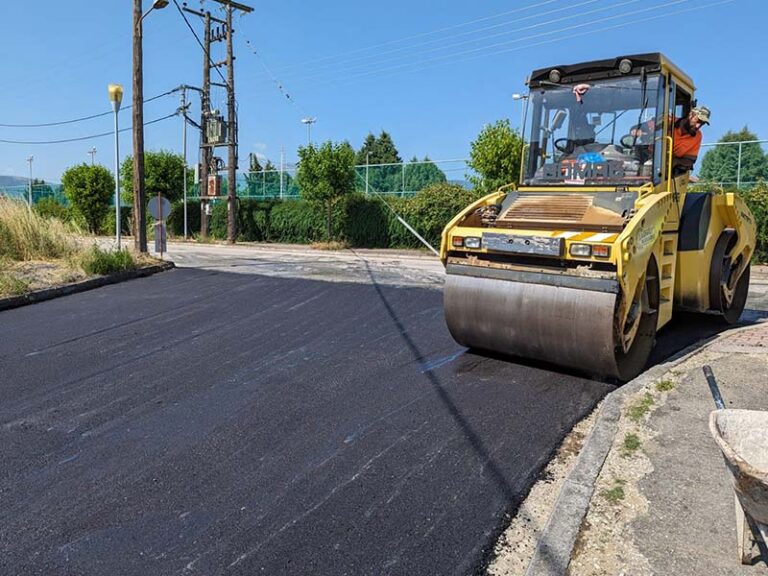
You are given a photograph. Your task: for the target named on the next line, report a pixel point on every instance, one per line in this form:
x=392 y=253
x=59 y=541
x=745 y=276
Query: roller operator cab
x=583 y=261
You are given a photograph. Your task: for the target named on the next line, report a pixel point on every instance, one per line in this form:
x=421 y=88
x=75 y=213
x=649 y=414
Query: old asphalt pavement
x=210 y=422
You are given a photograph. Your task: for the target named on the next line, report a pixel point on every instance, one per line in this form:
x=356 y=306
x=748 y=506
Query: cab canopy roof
x=602 y=69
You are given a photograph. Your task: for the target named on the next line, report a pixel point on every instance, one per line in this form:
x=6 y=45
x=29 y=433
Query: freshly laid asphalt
x=202 y=422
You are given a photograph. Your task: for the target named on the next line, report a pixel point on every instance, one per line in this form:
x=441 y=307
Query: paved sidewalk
x=663 y=502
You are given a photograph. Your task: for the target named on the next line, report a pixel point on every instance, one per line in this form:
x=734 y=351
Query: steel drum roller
x=561 y=325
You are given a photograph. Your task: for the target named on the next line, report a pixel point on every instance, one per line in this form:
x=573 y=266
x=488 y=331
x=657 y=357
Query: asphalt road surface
x=204 y=422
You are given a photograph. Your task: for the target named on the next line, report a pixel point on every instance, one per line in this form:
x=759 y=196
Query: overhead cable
x=477 y=31
x=448 y=46
x=484 y=51
x=423 y=34
x=200 y=42
x=90 y=137
x=84 y=118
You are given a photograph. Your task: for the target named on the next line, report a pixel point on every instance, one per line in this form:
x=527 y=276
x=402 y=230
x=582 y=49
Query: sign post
x=160 y=209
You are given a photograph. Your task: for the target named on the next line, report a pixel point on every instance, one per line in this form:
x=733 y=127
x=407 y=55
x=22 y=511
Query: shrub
x=365 y=222
x=428 y=212
x=48 y=207
x=101 y=262
x=108 y=224
x=90 y=190
x=298 y=222
x=175 y=220
x=757 y=200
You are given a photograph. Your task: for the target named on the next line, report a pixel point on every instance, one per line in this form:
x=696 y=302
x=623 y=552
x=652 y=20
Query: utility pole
x=211 y=128
x=139 y=225
x=92 y=152
x=232 y=136
x=184 y=148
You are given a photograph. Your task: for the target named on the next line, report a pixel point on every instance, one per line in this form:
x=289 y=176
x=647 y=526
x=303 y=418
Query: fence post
x=402 y=187
x=738 y=170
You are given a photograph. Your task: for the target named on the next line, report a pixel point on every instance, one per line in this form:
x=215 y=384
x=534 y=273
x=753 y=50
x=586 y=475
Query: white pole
x=116 y=109
x=184 y=147
x=282 y=164
x=367 y=165
x=30 y=159
x=738 y=169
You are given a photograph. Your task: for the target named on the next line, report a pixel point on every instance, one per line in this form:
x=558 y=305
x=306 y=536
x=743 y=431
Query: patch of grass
x=615 y=494
x=25 y=235
x=12 y=286
x=631 y=444
x=640 y=408
x=101 y=262
x=333 y=245
x=665 y=386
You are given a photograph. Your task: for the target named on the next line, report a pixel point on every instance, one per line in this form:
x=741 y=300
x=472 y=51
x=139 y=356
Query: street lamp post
x=92 y=152
x=139 y=204
x=116 y=98
x=30 y=160
x=309 y=121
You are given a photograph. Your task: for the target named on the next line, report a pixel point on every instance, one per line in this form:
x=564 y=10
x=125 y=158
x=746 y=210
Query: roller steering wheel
x=565 y=148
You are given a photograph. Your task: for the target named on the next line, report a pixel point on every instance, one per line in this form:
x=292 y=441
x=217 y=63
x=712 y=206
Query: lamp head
x=159 y=4
x=115 y=95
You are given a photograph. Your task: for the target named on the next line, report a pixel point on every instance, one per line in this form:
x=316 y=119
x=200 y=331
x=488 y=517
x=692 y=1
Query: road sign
x=158 y=203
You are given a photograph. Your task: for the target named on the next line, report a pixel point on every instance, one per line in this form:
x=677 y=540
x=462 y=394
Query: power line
x=423 y=34
x=272 y=77
x=477 y=31
x=484 y=51
x=448 y=46
x=200 y=42
x=92 y=136
x=84 y=118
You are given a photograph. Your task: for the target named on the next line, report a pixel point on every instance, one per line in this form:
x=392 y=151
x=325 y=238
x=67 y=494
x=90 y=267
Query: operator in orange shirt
x=687 y=139
x=686 y=135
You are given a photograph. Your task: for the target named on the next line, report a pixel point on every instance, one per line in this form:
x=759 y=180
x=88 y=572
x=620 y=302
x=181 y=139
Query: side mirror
x=627 y=141
x=557 y=121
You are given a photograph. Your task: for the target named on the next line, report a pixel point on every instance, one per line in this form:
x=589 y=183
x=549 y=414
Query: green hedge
x=757 y=200
x=361 y=221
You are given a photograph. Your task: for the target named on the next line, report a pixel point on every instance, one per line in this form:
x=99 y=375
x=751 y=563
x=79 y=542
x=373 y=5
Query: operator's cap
x=702 y=113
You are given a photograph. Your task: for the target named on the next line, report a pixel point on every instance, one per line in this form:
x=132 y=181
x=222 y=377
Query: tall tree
x=253 y=178
x=419 y=175
x=378 y=150
x=89 y=189
x=495 y=157
x=721 y=163
x=326 y=174
x=163 y=174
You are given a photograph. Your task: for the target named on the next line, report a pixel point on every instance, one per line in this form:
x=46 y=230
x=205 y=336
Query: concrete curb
x=555 y=546
x=50 y=293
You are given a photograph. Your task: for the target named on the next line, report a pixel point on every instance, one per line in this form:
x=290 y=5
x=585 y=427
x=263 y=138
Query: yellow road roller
x=586 y=258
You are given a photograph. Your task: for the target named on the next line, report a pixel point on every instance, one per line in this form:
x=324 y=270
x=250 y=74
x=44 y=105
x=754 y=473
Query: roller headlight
x=581 y=250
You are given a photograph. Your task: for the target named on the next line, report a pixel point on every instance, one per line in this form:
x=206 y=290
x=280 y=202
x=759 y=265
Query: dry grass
x=333 y=245
x=39 y=252
x=25 y=235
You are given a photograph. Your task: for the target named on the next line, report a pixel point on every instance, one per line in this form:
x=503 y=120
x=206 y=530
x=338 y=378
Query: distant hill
x=13 y=181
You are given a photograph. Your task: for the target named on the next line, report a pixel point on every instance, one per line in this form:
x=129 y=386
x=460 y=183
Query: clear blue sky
x=430 y=73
